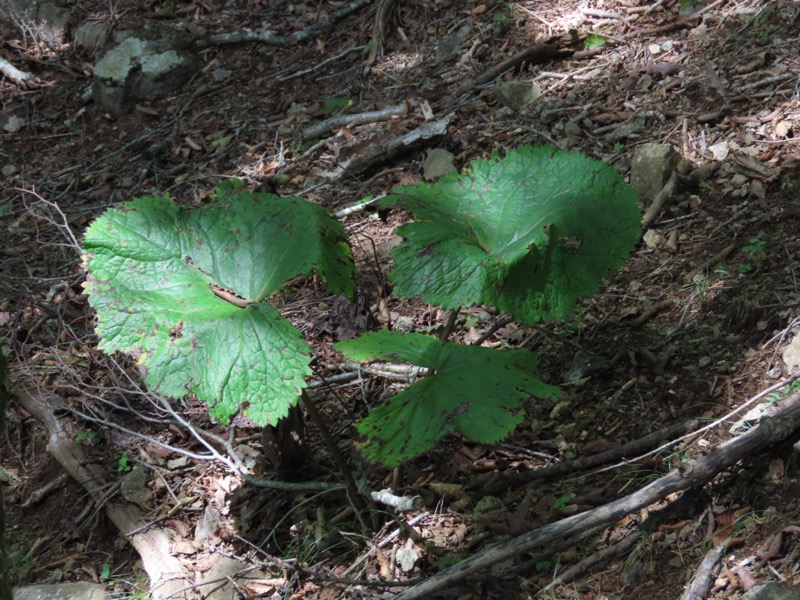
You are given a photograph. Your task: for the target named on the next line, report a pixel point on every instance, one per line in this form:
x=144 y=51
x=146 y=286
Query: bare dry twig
x=698 y=473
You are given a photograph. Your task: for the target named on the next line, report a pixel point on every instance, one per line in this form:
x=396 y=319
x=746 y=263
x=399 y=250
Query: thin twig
x=703 y=429
x=491 y=331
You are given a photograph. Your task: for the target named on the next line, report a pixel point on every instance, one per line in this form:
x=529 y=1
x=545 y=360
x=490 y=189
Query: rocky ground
x=696 y=323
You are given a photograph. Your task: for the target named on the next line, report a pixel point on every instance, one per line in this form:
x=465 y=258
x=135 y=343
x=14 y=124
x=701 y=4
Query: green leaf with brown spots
x=186 y=293
x=473 y=390
x=529 y=233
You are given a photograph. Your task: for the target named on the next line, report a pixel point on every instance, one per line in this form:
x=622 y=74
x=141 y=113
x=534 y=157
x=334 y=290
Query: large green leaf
x=530 y=233
x=185 y=292
x=470 y=389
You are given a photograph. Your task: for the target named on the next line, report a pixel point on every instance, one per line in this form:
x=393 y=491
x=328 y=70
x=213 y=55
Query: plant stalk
x=355 y=498
x=451 y=323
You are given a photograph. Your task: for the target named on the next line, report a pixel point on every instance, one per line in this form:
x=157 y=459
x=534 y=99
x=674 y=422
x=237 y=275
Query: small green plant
x=592 y=42
x=469 y=389
x=529 y=234
x=563 y=502
x=186 y=292
x=123 y=463
x=86 y=436
x=167 y=9
x=336 y=105
x=505 y=13
x=755 y=246
x=691 y=5
x=754 y=249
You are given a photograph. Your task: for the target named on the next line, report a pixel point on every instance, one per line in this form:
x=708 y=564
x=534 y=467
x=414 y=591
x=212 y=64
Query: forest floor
x=691 y=327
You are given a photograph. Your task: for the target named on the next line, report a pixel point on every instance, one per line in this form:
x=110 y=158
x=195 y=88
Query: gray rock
x=791 y=356
x=772 y=591
x=92 y=35
x=628 y=129
x=62 y=591
x=143 y=68
x=584 y=364
x=516 y=95
x=572 y=128
x=207 y=525
x=448 y=48
x=219 y=579
x=738 y=180
x=651 y=168
x=405 y=324
x=548 y=115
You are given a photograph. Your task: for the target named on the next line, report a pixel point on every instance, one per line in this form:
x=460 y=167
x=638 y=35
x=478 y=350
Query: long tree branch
x=699 y=472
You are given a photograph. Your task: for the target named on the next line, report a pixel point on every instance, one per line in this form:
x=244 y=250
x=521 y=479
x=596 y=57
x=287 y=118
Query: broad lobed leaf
x=472 y=390
x=185 y=291
x=530 y=233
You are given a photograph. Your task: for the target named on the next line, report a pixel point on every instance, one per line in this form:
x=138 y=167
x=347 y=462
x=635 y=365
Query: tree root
x=169 y=578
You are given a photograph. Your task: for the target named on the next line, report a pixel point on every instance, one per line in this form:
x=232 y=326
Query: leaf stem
x=451 y=322
x=352 y=489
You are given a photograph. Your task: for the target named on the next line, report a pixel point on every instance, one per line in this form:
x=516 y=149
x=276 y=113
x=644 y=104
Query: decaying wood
x=424 y=135
x=270 y=37
x=323 y=127
x=14 y=74
x=699 y=472
x=701 y=583
x=536 y=54
x=592 y=561
x=169 y=579
x=710 y=262
x=657 y=205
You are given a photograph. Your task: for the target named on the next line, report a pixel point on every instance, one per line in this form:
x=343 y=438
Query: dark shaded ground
x=679 y=337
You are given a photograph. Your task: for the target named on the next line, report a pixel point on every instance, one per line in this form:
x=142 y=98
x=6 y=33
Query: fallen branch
x=699 y=472
x=379 y=27
x=701 y=583
x=167 y=575
x=424 y=135
x=270 y=37
x=536 y=54
x=14 y=74
x=659 y=201
x=710 y=262
x=318 y=129
x=321 y=65
x=592 y=561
